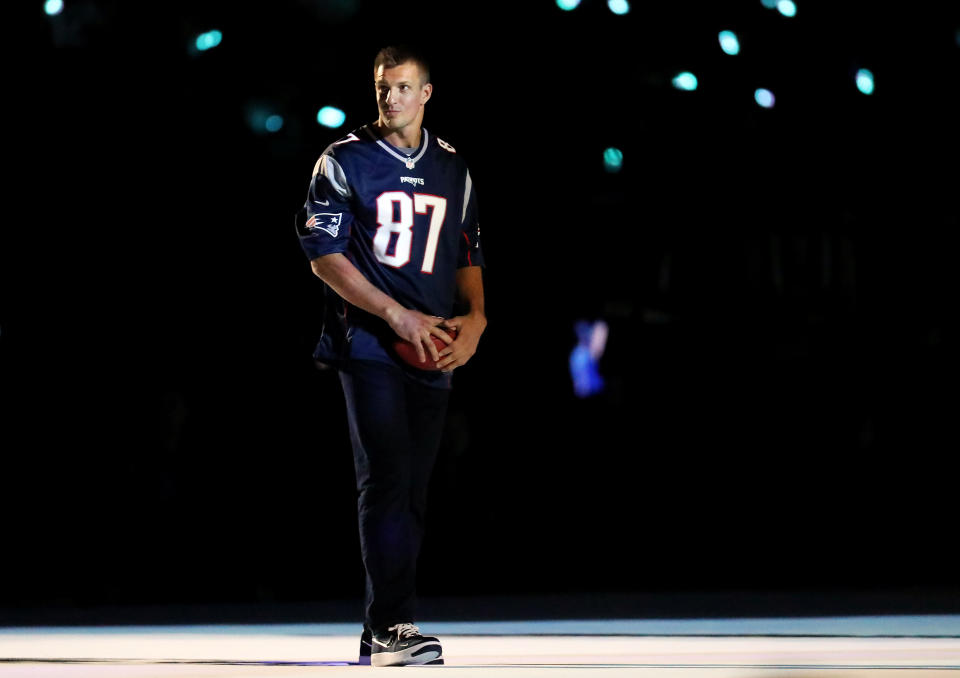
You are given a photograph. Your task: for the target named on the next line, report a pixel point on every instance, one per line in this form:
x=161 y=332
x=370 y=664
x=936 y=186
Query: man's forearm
x=347 y=281
x=470 y=289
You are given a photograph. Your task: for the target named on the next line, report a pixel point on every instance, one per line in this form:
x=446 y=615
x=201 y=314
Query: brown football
x=408 y=353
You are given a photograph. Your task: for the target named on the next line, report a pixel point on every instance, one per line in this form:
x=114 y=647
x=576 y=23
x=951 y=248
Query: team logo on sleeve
x=324 y=221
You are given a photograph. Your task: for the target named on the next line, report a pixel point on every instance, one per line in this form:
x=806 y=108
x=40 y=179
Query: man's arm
x=470 y=326
x=347 y=281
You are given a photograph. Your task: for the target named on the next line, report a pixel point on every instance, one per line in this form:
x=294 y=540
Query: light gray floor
x=822 y=647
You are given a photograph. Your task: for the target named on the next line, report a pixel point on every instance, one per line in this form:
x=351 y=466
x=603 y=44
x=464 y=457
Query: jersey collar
x=410 y=162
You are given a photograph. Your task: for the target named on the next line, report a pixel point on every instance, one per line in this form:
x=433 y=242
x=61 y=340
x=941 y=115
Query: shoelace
x=405 y=630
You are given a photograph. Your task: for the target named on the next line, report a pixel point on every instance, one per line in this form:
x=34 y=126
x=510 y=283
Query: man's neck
x=408 y=137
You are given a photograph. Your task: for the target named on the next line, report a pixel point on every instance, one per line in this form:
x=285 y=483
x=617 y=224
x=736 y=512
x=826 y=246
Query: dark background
x=781 y=387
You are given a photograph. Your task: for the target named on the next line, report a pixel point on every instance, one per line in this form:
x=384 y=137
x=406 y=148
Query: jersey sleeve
x=323 y=224
x=471 y=254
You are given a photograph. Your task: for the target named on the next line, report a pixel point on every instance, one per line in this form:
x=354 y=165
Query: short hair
x=394 y=55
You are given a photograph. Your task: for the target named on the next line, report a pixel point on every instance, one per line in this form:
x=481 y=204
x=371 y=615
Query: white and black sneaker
x=402 y=645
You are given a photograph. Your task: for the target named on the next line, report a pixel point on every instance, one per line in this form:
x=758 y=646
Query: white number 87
x=403 y=227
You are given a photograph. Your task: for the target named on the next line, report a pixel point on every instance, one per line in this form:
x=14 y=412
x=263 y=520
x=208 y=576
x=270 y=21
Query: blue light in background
x=729 y=43
x=262 y=119
x=585 y=357
x=612 y=160
x=686 y=81
x=53 y=7
x=769 y=4
x=328 y=116
x=208 y=40
x=619 y=7
x=764 y=97
x=787 y=8
x=865 y=81
x=274 y=123
x=567 y=5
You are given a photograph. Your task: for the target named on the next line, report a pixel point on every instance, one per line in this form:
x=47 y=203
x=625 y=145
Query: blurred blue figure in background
x=584 y=359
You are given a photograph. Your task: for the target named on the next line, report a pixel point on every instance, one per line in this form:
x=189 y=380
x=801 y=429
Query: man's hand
x=469 y=328
x=417 y=327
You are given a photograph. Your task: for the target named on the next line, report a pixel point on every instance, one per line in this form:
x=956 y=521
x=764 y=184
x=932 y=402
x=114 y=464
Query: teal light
x=729 y=43
x=612 y=160
x=769 y=4
x=787 y=8
x=764 y=97
x=619 y=7
x=262 y=120
x=53 y=7
x=208 y=40
x=567 y=5
x=865 y=81
x=686 y=81
x=274 y=123
x=328 y=116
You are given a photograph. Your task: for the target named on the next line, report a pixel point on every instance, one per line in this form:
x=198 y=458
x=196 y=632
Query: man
x=390 y=225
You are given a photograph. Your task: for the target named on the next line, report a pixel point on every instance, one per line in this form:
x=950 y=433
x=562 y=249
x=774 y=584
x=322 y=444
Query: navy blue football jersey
x=406 y=223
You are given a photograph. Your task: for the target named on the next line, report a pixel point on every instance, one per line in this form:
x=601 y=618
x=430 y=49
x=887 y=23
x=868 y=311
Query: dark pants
x=395 y=429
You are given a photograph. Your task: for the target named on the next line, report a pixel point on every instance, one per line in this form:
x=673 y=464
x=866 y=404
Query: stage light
x=208 y=40
x=729 y=43
x=865 y=81
x=769 y=4
x=328 y=116
x=787 y=8
x=764 y=97
x=53 y=7
x=585 y=357
x=274 y=123
x=686 y=81
x=613 y=160
x=567 y=5
x=619 y=7
x=262 y=120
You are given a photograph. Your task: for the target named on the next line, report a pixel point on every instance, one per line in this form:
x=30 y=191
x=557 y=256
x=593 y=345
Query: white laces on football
x=405 y=630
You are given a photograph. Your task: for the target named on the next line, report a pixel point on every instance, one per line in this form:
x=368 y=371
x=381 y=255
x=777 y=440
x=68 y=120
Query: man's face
x=400 y=94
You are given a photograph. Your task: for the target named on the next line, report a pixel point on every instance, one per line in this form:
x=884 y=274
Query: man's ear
x=427 y=93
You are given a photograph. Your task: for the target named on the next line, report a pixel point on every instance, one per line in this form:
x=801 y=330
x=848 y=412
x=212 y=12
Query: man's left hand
x=469 y=328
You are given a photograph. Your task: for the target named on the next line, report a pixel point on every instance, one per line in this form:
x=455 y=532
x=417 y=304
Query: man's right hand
x=417 y=328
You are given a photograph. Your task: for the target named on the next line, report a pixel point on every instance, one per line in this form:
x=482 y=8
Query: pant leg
x=426 y=430
x=393 y=452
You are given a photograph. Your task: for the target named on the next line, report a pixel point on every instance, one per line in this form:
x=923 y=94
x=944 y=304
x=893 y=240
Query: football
x=407 y=352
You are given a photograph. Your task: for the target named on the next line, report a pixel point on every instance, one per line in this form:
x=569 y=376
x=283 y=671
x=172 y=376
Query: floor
x=891 y=646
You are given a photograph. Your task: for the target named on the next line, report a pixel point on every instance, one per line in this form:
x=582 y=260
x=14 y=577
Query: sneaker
x=365 y=646
x=402 y=645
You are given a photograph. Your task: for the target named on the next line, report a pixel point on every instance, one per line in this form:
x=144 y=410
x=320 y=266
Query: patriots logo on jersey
x=325 y=221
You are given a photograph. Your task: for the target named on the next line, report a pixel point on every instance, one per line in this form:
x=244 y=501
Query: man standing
x=390 y=225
